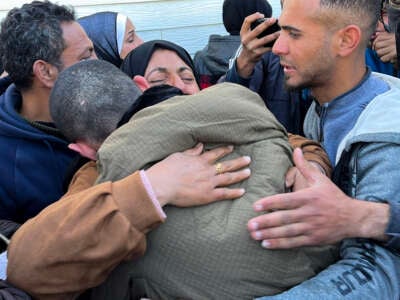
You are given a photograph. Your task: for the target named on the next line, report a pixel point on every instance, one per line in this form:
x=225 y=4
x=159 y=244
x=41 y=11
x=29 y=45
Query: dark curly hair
x=30 y=33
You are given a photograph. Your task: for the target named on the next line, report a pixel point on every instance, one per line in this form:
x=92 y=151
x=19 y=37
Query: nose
x=177 y=82
x=280 y=46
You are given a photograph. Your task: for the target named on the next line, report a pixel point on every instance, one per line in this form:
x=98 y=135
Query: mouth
x=287 y=68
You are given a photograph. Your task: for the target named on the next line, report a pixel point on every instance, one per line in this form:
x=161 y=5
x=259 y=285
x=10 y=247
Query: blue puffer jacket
x=267 y=80
x=32 y=163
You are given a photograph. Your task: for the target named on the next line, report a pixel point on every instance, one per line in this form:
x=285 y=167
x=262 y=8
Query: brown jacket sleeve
x=74 y=244
x=312 y=151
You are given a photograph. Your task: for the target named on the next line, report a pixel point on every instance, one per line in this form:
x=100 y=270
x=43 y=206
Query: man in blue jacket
x=355 y=116
x=38 y=40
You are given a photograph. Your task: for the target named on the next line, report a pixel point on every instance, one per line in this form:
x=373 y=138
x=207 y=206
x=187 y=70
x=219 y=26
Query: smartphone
x=271 y=29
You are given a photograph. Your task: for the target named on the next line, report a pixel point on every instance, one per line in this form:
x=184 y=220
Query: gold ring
x=218 y=168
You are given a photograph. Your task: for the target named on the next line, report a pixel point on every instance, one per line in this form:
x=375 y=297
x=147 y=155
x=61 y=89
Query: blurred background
x=185 y=22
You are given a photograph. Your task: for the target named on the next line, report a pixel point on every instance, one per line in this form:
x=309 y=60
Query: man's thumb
x=303 y=166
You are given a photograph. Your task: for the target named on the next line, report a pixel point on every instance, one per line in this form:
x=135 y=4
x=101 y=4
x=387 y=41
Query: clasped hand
x=191 y=177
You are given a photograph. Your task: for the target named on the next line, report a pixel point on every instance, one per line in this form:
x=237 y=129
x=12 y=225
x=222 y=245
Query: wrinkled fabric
x=101 y=29
x=43 y=277
x=206 y=252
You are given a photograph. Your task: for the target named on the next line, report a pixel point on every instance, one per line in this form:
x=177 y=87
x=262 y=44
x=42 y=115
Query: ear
x=349 y=39
x=141 y=82
x=83 y=149
x=45 y=72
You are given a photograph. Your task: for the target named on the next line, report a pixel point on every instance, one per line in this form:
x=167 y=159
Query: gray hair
x=89 y=99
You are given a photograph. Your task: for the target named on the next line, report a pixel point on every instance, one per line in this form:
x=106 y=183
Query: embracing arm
x=74 y=244
x=312 y=151
x=366 y=270
x=59 y=251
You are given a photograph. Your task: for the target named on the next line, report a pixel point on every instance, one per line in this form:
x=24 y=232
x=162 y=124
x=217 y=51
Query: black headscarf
x=235 y=11
x=102 y=30
x=136 y=62
x=150 y=97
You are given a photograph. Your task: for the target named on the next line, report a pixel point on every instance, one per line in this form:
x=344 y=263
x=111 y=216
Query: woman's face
x=166 y=67
x=131 y=39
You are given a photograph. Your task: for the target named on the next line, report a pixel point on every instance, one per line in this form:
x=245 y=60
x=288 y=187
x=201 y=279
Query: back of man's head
x=30 y=33
x=88 y=100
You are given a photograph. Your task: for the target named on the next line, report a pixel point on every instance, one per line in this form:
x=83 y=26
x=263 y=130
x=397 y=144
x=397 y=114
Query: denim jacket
x=366 y=270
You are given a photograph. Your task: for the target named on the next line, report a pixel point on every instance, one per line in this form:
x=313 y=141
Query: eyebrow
x=290 y=28
x=157 y=69
x=183 y=69
x=164 y=70
x=131 y=31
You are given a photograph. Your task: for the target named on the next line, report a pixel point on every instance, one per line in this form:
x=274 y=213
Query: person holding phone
x=212 y=61
x=257 y=68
